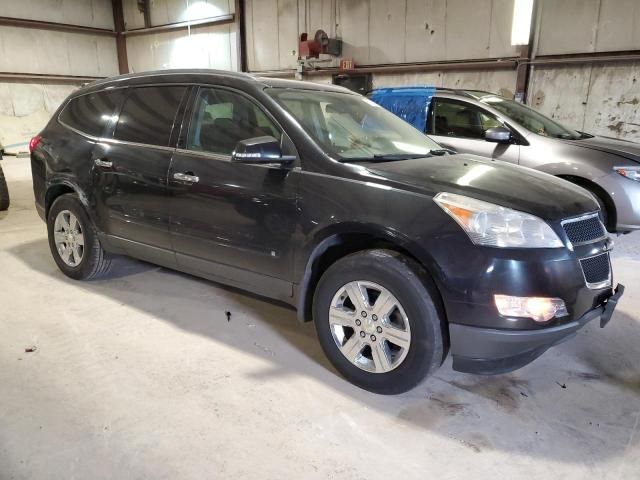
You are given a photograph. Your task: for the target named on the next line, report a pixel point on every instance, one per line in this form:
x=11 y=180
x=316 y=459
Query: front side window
x=148 y=114
x=455 y=119
x=351 y=126
x=92 y=112
x=222 y=118
x=530 y=119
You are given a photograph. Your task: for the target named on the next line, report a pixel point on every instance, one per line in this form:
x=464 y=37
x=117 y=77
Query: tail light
x=33 y=143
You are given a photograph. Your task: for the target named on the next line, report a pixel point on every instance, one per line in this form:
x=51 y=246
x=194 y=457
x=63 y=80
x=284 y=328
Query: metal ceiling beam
x=48 y=78
x=582 y=58
x=60 y=27
x=167 y=27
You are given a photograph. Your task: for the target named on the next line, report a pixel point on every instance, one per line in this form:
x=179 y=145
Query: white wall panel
x=498 y=81
x=262 y=34
x=287 y=33
x=205 y=47
x=619 y=25
x=386 y=31
x=353 y=28
x=599 y=99
x=25 y=108
x=90 y=13
x=580 y=26
x=50 y=52
x=425 y=33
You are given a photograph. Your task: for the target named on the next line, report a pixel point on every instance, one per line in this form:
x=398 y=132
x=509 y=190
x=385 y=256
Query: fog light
x=540 y=309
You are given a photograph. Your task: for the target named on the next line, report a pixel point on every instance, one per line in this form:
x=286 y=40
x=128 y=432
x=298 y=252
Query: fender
x=354 y=237
x=67 y=183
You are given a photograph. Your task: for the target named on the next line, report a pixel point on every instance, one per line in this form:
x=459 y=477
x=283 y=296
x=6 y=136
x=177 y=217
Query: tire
x=415 y=294
x=4 y=192
x=93 y=262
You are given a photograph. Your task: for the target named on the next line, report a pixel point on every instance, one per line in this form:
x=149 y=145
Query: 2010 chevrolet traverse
x=316 y=196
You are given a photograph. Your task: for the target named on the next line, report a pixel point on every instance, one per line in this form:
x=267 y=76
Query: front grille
x=584 y=229
x=597 y=270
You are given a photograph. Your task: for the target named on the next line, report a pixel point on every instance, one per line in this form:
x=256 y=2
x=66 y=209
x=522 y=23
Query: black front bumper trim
x=490 y=351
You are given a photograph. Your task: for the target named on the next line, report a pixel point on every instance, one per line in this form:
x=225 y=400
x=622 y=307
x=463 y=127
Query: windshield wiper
x=386 y=157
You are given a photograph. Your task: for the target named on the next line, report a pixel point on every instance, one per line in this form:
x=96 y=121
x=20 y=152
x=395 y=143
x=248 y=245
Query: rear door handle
x=103 y=163
x=186 y=177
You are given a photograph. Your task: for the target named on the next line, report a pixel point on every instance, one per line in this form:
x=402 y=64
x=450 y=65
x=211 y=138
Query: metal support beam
x=583 y=58
x=121 y=41
x=205 y=22
x=146 y=11
x=241 y=45
x=46 y=78
x=508 y=63
x=524 y=65
x=60 y=27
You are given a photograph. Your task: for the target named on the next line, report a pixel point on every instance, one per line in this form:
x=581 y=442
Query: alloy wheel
x=68 y=238
x=369 y=326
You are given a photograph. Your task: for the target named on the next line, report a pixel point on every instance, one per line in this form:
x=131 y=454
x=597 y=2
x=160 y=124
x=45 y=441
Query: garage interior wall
x=209 y=46
x=600 y=97
x=26 y=105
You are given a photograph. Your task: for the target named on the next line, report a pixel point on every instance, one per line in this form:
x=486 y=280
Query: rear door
x=461 y=125
x=232 y=222
x=130 y=172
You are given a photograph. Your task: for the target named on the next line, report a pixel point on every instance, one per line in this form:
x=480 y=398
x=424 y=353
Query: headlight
x=496 y=226
x=632 y=173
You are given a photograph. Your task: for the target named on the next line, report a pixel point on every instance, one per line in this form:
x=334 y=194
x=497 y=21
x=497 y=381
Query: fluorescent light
x=521 y=26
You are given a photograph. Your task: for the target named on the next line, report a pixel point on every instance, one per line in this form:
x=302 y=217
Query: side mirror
x=260 y=150
x=498 y=135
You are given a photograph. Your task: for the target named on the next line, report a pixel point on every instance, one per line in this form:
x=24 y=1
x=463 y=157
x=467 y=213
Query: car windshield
x=530 y=119
x=353 y=127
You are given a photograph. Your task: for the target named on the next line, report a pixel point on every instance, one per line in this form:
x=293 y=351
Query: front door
x=460 y=126
x=232 y=222
x=130 y=173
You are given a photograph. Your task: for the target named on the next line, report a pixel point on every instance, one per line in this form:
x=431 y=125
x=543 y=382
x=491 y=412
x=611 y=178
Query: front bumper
x=490 y=351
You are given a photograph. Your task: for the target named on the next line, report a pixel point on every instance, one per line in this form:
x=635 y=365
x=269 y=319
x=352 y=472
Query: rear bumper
x=490 y=351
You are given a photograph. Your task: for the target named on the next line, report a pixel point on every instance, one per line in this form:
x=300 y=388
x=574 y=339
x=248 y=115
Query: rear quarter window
x=91 y=113
x=148 y=114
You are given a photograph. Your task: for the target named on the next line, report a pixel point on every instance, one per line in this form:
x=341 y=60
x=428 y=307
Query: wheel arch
x=600 y=192
x=342 y=240
x=58 y=189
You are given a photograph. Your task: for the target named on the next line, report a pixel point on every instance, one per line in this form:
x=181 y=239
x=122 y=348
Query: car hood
x=493 y=181
x=622 y=148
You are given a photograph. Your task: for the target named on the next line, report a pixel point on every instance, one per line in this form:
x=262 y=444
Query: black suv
x=318 y=197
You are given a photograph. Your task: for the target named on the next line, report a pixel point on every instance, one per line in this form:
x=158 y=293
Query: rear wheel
x=377 y=321
x=73 y=240
x=4 y=192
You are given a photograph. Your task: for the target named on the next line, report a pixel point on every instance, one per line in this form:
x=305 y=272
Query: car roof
x=202 y=76
x=426 y=89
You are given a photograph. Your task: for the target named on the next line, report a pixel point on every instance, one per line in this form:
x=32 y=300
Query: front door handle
x=186 y=177
x=100 y=162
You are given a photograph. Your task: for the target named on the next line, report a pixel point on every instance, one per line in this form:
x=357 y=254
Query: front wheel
x=378 y=322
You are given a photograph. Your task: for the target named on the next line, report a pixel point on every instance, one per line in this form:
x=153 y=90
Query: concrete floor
x=141 y=376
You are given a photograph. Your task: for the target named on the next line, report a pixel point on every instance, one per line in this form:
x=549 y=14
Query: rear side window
x=148 y=114
x=91 y=113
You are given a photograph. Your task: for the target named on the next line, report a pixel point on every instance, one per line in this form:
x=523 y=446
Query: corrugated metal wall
x=197 y=47
x=26 y=106
x=603 y=99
